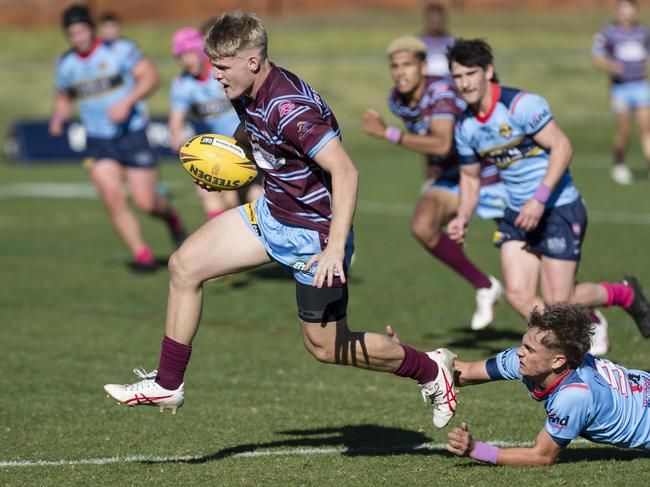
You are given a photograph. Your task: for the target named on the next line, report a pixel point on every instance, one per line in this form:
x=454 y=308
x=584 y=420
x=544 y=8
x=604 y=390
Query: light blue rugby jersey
x=504 y=137
x=97 y=81
x=600 y=401
x=204 y=100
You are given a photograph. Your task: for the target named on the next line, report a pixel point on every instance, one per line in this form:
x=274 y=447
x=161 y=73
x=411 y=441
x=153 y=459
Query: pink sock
x=417 y=365
x=215 y=213
x=452 y=254
x=618 y=294
x=144 y=256
x=174 y=357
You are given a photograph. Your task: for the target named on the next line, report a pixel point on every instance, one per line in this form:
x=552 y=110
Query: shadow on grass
x=580 y=454
x=477 y=340
x=350 y=440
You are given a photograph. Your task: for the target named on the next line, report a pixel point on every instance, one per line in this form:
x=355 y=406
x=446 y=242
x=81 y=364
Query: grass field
x=259 y=410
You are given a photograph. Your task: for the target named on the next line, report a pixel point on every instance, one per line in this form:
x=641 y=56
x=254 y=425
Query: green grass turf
x=74 y=318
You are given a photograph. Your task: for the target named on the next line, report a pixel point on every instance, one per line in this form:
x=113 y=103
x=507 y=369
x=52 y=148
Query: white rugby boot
x=600 y=339
x=622 y=174
x=146 y=393
x=486 y=299
x=440 y=392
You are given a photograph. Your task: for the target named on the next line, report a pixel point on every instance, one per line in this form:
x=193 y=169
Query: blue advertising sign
x=30 y=143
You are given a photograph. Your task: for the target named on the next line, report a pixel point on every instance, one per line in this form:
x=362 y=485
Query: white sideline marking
x=87 y=191
x=249 y=454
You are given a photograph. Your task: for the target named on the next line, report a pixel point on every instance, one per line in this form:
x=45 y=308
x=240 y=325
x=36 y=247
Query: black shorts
x=321 y=305
x=559 y=235
x=130 y=149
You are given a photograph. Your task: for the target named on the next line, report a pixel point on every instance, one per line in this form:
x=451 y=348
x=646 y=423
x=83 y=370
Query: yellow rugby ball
x=217 y=161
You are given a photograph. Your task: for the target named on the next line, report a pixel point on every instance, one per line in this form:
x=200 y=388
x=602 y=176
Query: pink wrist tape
x=393 y=134
x=542 y=193
x=484 y=452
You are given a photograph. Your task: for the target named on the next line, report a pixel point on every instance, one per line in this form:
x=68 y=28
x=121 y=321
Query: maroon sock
x=174 y=357
x=417 y=366
x=452 y=254
x=174 y=221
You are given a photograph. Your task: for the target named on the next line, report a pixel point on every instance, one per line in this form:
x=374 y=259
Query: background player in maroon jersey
x=303 y=221
x=430 y=106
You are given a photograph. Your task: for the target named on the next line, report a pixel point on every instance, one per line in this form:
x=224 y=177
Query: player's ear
x=254 y=64
x=559 y=361
x=489 y=72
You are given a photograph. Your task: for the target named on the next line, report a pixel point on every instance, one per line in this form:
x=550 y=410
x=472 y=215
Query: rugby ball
x=217 y=161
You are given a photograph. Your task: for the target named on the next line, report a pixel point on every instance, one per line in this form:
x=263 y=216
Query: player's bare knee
x=425 y=231
x=145 y=205
x=317 y=348
x=519 y=300
x=181 y=269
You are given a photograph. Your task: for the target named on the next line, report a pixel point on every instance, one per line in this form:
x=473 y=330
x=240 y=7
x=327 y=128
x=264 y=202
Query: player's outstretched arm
x=470 y=185
x=543 y=453
x=334 y=159
x=469 y=373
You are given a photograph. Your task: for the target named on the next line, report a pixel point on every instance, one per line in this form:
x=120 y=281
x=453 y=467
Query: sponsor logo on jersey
x=556 y=422
x=304 y=129
x=505 y=130
x=538 y=118
x=286 y=108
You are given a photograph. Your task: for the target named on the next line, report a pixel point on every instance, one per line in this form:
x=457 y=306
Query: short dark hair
x=570 y=328
x=470 y=53
x=76 y=14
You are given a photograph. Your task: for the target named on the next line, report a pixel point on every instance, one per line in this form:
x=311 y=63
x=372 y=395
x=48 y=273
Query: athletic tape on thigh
x=321 y=305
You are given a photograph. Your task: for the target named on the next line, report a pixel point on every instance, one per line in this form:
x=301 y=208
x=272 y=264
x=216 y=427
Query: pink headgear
x=187 y=39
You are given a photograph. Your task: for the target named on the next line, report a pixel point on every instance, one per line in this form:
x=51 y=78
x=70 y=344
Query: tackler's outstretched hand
x=460 y=441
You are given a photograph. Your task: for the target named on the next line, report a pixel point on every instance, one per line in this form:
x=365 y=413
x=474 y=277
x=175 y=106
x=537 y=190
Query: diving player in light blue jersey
x=196 y=93
x=542 y=230
x=583 y=395
x=109 y=81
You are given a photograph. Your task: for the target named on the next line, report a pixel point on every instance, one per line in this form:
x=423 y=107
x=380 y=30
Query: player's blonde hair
x=409 y=44
x=236 y=32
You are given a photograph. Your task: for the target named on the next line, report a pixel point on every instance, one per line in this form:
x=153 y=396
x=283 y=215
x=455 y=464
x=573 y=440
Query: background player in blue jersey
x=583 y=395
x=541 y=233
x=430 y=106
x=195 y=93
x=303 y=221
x=110 y=81
x=621 y=50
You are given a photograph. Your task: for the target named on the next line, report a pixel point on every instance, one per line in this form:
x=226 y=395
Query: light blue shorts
x=629 y=96
x=493 y=198
x=288 y=245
